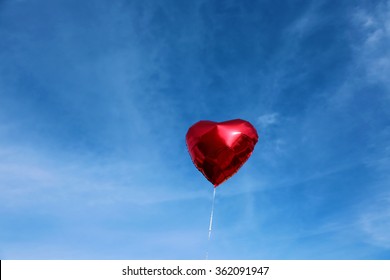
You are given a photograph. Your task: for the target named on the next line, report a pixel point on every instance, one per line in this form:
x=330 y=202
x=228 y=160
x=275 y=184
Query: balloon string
x=212 y=214
x=211 y=222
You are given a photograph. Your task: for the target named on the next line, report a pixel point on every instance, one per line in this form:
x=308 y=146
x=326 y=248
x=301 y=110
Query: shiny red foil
x=219 y=150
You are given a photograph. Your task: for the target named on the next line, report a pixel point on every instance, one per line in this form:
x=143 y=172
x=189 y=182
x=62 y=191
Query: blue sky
x=96 y=98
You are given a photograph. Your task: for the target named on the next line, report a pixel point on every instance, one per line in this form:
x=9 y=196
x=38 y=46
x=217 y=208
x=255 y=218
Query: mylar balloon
x=218 y=150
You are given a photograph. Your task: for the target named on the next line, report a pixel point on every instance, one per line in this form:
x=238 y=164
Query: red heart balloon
x=219 y=150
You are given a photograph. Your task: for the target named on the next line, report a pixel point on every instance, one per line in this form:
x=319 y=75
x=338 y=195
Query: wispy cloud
x=373 y=54
x=59 y=199
x=375 y=221
x=268 y=119
x=31 y=177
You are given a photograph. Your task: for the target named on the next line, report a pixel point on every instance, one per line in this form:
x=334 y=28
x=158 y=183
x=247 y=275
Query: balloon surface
x=219 y=150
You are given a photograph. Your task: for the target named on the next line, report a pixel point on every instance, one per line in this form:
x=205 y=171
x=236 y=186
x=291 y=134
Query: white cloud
x=372 y=65
x=308 y=22
x=96 y=197
x=373 y=54
x=268 y=119
x=30 y=178
x=375 y=222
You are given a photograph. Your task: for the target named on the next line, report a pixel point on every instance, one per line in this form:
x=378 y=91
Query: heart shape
x=219 y=150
